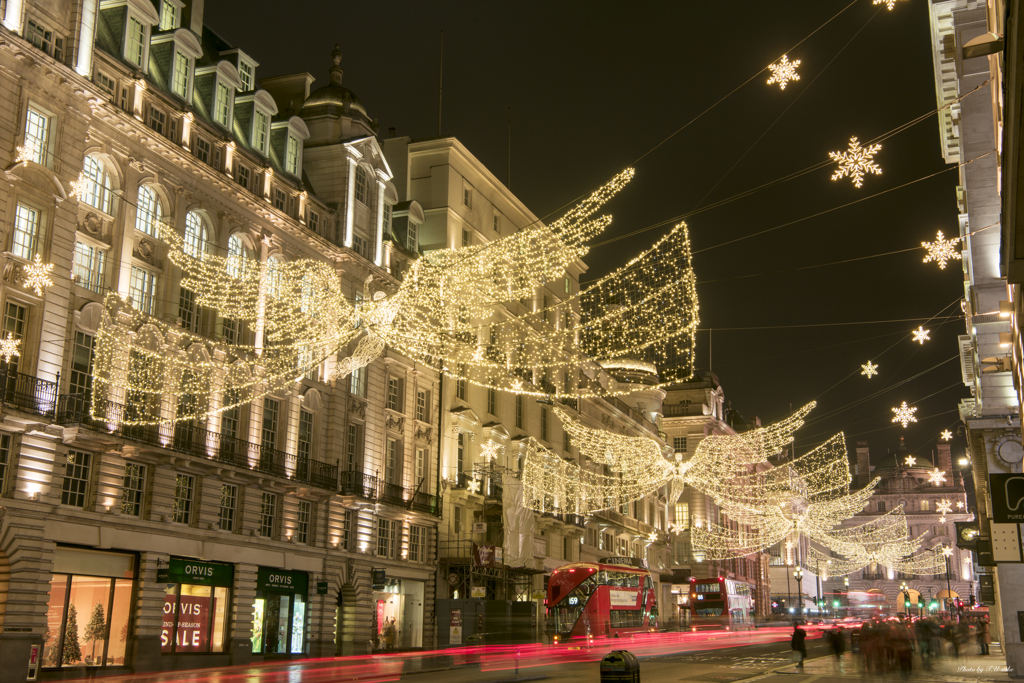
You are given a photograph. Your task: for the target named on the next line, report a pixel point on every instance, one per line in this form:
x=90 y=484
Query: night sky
x=594 y=86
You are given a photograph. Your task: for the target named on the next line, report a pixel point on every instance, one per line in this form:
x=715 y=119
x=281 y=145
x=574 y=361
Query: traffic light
x=906 y=604
x=835 y=603
x=972 y=600
x=933 y=605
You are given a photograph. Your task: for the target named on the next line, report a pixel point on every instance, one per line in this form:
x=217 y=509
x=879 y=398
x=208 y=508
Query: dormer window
x=245 y=72
x=170 y=15
x=291 y=164
x=135 y=41
x=222 y=107
x=182 y=74
x=138 y=20
x=260 y=129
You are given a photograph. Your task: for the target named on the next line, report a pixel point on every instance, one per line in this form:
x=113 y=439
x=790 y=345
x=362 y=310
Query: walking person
x=799 y=646
x=984 y=635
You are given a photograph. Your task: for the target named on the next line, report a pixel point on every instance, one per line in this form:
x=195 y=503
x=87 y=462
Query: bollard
x=620 y=666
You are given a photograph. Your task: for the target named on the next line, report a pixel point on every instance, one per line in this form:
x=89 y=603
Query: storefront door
x=279 y=614
x=195 y=615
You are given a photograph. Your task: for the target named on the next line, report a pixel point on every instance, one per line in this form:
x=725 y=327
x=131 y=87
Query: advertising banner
x=193 y=623
x=483 y=555
x=621 y=598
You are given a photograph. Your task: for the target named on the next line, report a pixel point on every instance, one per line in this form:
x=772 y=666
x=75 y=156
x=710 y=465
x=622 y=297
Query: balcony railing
x=193 y=439
x=353 y=483
x=28 y=393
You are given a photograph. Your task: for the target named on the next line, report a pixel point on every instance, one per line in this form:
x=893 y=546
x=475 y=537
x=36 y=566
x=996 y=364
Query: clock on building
x=967 y=534
x=1010 y=450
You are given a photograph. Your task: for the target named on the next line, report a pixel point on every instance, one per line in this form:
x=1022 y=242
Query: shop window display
x=87 y=617
x=195 y=613
x=279 y=612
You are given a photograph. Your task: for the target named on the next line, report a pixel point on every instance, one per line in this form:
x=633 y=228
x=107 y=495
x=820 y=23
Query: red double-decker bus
x=615 y=596
x=720 y=603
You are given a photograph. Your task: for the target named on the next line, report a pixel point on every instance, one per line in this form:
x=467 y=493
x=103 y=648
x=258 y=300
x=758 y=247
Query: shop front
x=279 y=613
x=196 y=606
x=89 y=610
x=398 y=613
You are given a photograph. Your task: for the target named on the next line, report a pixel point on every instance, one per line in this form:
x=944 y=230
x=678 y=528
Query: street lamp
x=948 y=552
x=905 y=589
x=798 y=574
x=846 y=582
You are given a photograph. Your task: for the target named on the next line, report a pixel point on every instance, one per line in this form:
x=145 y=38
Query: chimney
x=863 y=464
x=336 y=71
x=945 y=459
x=391 y=132
x=192 y=16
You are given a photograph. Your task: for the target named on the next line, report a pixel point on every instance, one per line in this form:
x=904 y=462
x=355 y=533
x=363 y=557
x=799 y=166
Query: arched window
x=361 y=185
x=274 y=264
x=237 y=254
x=147 y=213
x=195 y=235
x=97 y=185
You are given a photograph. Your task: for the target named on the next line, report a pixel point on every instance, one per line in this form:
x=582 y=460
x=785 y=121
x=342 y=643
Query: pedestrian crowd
x=890 y=645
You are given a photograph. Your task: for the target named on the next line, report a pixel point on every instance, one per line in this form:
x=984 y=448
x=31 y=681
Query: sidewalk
x=971 y=668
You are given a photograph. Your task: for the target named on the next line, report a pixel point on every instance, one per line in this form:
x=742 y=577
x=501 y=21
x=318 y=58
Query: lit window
x=274 y=264
x=168 y=16
x=268 y=512
x=292 y=156
x=133 y=489
x=180 y=81
x=5 y=459
x=387 y=537
x=391 y=462
x=25 y=239
x=422 y=413
x=135 y=41
x=387 y=219
x=352 y=446
x=679 y=444
x=81 y=365
x=259 y=132
x=202 y=149
x=467 y=197
x=313 y=221
x=394 y=393
x=357 y=386
x=361 y=185
x=417 y=543
x=360 y=246
x=412 y=237
x=195 y=235
x=223 y=109
x=245 y=74
x=228 y=503
x=420 y=465
x=236 y=256
x=147 y=211
x=188 y=312
x=302 y=521
x=88 y=266
x=243 y=176
x=184 y=494
x=97 y=187
x=76 y=479
x=142 y=290
x=37 y=134
x=305 y=442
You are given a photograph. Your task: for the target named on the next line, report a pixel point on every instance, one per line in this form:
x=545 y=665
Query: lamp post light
x=846 y=583
x=905 y=589
x=798 y=574
x=948 y=552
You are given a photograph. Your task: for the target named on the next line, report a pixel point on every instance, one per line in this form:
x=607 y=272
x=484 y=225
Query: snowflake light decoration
x=784 y=71
x=947 y=551
x=941 y=250
x=79 y=187
x=904 y=414
x=869 y=369
x=946 y=435
x=921 y=335
x=937 y=477
x=26 y=153
x=959 y=505
x=888 y=3
x=856 y=161
x=9 y=347
x=653 y=537
x=491 y=450
x=37 y=275
x=942 y=519
x=910 y=460
x=473 y=486
x=944 y=507
x=676 y=528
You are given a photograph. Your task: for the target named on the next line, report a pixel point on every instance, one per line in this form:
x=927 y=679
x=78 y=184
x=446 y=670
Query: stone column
x=24 y=612
x=243 y=598
x=144 y=648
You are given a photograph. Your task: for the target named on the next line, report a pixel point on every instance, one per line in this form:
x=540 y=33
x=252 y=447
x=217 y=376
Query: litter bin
x=620 y=666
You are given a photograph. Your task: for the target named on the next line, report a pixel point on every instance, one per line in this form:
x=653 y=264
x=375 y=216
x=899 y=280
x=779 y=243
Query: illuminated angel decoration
x=807 y=497
x=457 y=309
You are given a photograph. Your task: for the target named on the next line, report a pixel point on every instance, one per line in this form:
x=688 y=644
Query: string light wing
x=37 y=275
x=784 y=71
x=904 y=414
x=856 y=161
x=921 y=335
x=941 y=250
x=869 y=369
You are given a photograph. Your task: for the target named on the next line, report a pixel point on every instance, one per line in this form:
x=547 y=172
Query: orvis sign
x=196 y=573
x=280 y=581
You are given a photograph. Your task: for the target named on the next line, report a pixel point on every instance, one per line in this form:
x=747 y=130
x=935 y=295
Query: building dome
x=334 y=94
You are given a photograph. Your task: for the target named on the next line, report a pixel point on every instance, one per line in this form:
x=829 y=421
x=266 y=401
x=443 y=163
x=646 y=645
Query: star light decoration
x=959 y=505
x=904 y=414
x=869 y=369
x=888 y=3
x=784 y=71
x=910 y=460
x=676 y=528
x=26 y=153
x=921 y=335
x=937 y=477
x=941 y=250
x=446 y=305
x=9 y=347
x=946 y=435
x=856 y=161
x=473 y=486
x=37 y=275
